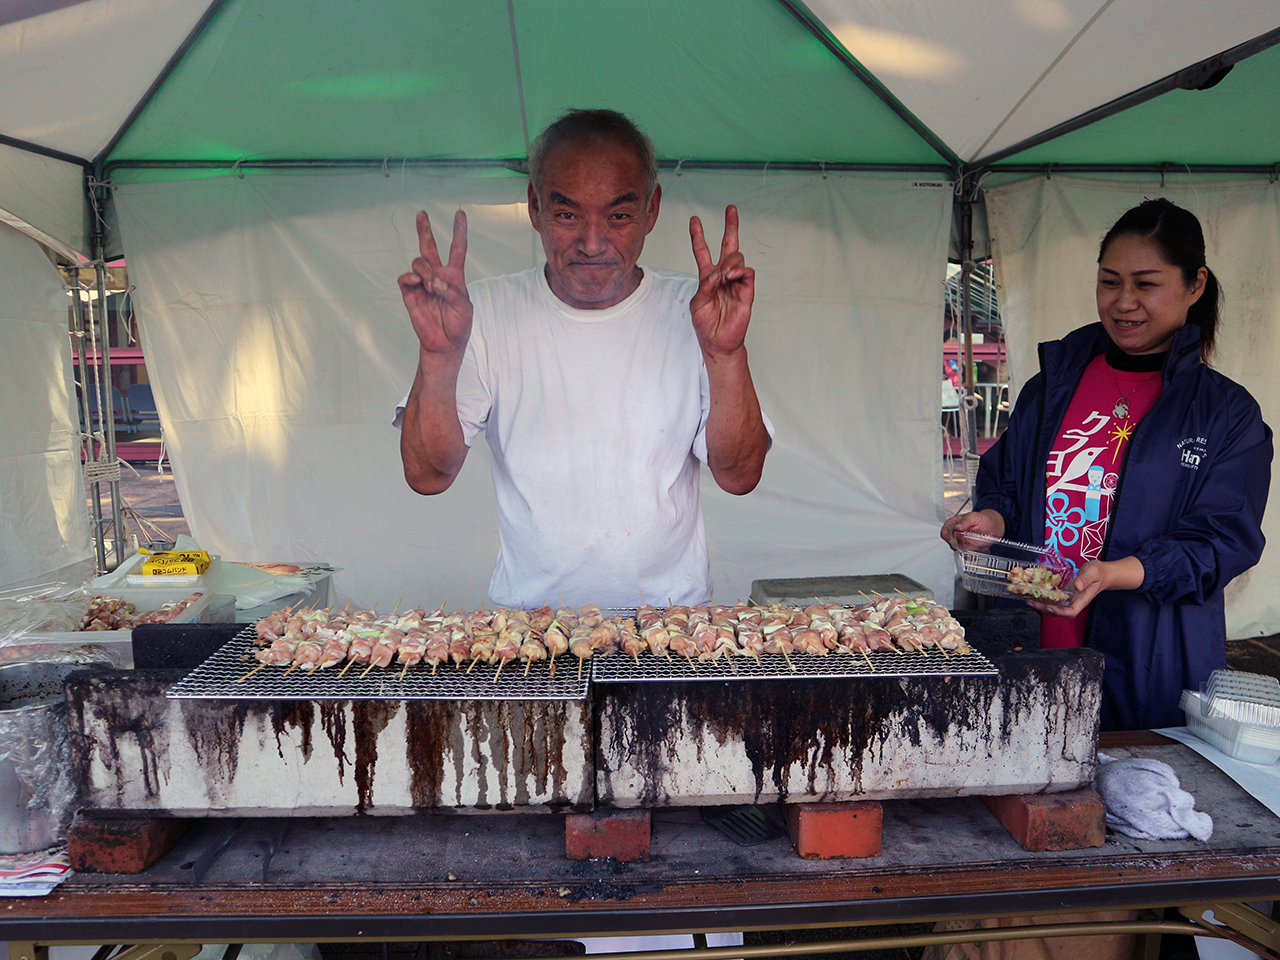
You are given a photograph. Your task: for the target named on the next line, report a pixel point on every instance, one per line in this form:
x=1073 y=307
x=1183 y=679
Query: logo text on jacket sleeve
x=1191 y=451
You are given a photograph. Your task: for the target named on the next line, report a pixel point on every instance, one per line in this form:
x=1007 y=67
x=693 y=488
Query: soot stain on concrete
x=298 y=715
x=333 y=720
x=430 y=726
x=815 y=725
x=369 y=719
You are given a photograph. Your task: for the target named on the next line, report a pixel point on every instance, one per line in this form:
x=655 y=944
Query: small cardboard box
x=179 y=563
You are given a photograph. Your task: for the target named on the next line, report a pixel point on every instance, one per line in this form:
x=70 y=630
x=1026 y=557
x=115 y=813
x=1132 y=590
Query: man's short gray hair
x=577 y=126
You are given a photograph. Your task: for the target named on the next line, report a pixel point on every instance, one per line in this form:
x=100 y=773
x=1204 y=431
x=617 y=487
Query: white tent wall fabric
x=804 y=99
x=43 y=198
x=276 y=296
x=1045 y=235
x=43 y=522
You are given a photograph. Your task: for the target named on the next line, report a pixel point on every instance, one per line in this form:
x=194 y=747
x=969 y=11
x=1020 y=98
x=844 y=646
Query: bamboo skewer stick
x=366 y=670
x=260 y=666
x=350 y=663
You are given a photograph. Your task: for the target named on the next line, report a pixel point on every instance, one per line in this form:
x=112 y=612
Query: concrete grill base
x=137 y=751
x=1032 y=729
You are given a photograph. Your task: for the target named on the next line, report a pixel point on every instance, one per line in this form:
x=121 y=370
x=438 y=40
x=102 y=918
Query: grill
x=620 y=668
x=309 y=745
x=218 y=678
x=803 y=666
x=223 y=675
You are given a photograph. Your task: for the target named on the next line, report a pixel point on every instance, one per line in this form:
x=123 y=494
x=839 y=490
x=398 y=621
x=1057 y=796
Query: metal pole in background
x=86 y=413
x=969 y=420
x=113 y=479
x=104 y=466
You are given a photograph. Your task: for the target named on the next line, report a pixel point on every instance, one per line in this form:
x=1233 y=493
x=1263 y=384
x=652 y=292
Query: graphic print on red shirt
x=1083 y=471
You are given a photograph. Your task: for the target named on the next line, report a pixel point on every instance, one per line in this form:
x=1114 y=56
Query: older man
x=599 y=383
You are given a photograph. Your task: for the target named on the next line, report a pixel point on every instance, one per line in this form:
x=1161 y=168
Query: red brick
x=1053 y=821
x=120 y=844
x=620 y=834
x=823 y=831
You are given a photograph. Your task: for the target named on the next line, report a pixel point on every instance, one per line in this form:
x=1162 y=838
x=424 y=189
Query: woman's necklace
x=1121 y=409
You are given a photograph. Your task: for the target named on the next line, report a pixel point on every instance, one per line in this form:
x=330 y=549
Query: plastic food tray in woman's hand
x=1016 y=571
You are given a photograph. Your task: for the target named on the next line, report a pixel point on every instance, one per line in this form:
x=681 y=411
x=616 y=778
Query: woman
x=1142 y=464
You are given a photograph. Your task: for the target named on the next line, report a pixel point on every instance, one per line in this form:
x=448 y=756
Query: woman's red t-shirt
x=1083 y=471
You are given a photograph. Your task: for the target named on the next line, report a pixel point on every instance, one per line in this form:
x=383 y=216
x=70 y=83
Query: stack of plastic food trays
x=1237 y=712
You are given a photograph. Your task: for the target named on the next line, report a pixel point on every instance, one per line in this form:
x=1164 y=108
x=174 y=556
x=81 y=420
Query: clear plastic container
x=1247 y=697
x=150 y=599
x=1016 y=571
x=62 y=643
x=1250 y=742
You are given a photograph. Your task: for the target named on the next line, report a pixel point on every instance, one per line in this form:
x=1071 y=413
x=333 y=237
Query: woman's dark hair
x=1177 y=234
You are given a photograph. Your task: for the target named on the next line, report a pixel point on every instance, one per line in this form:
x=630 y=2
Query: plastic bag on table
x=46 y=608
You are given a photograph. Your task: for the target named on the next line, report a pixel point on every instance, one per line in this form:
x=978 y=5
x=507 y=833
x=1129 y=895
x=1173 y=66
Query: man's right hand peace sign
x=435 y=293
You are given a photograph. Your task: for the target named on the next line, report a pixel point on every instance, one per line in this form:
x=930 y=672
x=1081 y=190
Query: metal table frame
x=143 y=914
x=694 y=888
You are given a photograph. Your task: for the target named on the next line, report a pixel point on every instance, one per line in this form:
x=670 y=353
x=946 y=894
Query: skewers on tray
x=321 y=639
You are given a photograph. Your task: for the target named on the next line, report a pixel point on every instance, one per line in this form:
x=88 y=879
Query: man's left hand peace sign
x=722 y=306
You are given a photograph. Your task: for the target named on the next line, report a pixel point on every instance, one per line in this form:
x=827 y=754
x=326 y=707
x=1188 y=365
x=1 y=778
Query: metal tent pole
x=86 y=414
x=113 y=478
x=104 y=466
x=969 y=421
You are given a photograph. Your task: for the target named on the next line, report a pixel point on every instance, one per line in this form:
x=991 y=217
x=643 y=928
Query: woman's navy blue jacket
x=1192 y=489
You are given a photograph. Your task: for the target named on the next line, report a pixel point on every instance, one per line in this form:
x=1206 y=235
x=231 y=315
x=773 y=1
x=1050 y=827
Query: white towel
x=1145 y=800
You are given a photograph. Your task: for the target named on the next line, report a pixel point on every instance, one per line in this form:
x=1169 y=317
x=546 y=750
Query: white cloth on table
x=1145 y=800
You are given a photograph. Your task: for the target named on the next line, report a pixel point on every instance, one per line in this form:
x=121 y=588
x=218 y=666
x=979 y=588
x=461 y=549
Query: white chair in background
x=950 y=424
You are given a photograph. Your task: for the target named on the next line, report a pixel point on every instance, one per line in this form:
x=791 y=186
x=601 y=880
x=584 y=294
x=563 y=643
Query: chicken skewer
x=316 y=639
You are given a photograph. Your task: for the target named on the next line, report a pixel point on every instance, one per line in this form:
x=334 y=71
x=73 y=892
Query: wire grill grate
x=223 y=675
x=619 y=668
x=802 y=666
x=219 y=678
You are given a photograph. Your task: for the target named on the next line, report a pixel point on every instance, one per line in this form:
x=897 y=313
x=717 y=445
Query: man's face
x=593 y=216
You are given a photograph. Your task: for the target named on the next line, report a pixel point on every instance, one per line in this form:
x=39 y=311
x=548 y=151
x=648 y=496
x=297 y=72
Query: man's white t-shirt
x=597 y=423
